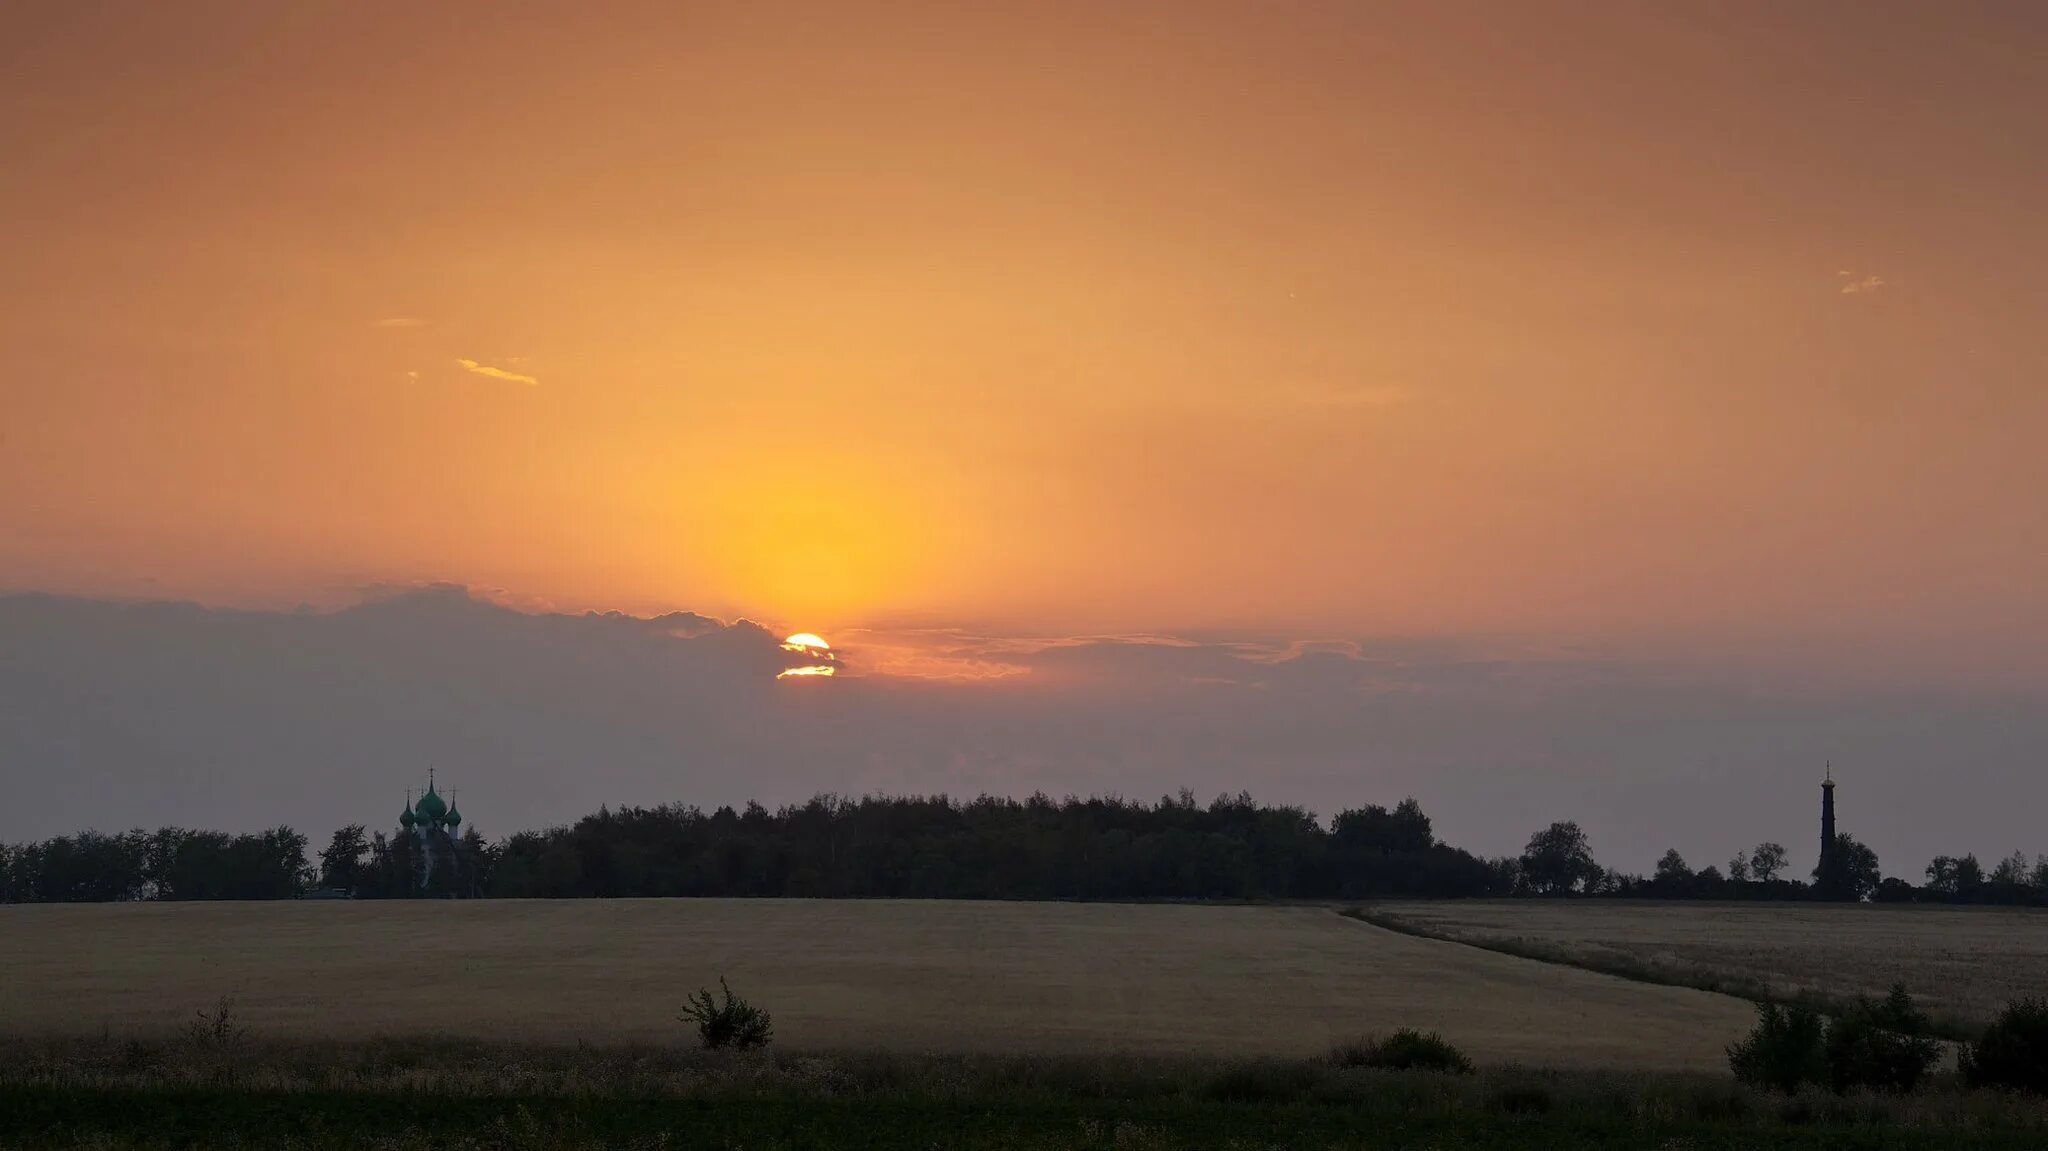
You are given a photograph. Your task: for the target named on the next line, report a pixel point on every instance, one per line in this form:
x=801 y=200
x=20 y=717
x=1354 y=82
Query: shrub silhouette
x=216 y=1037
x=734 y=1023
x=1880 y=1045
x=1787 y=1048
x=1404 y=1050
x=217 y=1029
x=2013 y=1054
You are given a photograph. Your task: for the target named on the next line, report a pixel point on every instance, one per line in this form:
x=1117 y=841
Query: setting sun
x=814 y=647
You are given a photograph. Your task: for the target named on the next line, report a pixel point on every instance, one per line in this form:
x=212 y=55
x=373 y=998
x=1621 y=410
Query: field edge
x=1697 y=978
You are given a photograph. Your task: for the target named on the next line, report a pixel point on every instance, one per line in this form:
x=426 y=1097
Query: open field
x=901 y=976
x=1962 y=963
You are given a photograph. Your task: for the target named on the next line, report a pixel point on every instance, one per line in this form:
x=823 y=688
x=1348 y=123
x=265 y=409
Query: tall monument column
x=1827 y=819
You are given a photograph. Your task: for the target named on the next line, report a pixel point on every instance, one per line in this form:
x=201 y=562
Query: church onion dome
x=431 y=806
x=454 y=817
x=406 y=818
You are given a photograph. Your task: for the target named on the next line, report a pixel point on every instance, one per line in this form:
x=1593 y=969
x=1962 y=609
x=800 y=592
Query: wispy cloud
x=1853 y=285
x=496 y=373
x=399 y=322
x=1363 y=396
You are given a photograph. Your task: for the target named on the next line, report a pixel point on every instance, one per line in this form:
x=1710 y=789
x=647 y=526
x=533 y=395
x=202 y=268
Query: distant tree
x=1373 y=828
x=169 y=863
x=87 y=867
x=2011 y=873
x=1955 y=879
x=268 y=865
x=1369 y=852
x=392 y=871
x=1412 y=829
x=1767 y=861
x=341 y=864
x=914 y=846
x=1849 y=872
x=1505 y=874
x=187 y=865
x=477 y=859
x=1559 y=860
x=1969 y=875
x=1895 y=890
x=561 y=871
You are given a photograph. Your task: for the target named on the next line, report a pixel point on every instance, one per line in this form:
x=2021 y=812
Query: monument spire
x=1827 y=825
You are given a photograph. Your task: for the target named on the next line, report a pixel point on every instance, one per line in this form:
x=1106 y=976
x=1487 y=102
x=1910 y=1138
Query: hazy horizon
x=153 y=713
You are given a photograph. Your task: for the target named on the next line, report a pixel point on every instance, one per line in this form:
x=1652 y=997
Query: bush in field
x=1881 y=1045
x=215 y=1037
x=217 y=1029
x=1404 y=1050
x=2013 y=1054
x=734 y=1023
x=1787 y=1048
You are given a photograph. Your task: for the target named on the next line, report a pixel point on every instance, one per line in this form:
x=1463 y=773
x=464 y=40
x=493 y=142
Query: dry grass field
x=1962 y=962
x=904 y=976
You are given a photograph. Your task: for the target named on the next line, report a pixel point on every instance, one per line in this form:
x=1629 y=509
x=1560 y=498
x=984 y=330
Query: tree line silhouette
x=1233 y=848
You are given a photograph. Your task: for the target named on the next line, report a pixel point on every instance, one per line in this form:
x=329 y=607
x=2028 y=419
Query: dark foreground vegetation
x=209 y=1090
x=1233 y=848
x=1875 y=1045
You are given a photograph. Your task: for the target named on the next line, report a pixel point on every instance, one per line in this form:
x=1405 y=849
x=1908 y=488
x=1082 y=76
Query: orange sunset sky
x=1678 y=329
x=1606 y=411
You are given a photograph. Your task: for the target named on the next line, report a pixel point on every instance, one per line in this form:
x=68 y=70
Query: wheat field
x=1965 y=963
x=902 y=976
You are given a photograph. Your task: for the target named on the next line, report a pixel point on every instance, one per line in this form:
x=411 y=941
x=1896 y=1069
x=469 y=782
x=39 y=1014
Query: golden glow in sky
x=1646 y=324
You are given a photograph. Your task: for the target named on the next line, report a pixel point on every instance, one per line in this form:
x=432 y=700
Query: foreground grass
x=405 y=1094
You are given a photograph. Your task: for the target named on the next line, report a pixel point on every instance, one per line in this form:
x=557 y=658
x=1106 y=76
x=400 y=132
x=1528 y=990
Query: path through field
x=1961 y=962
x=920 y=975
